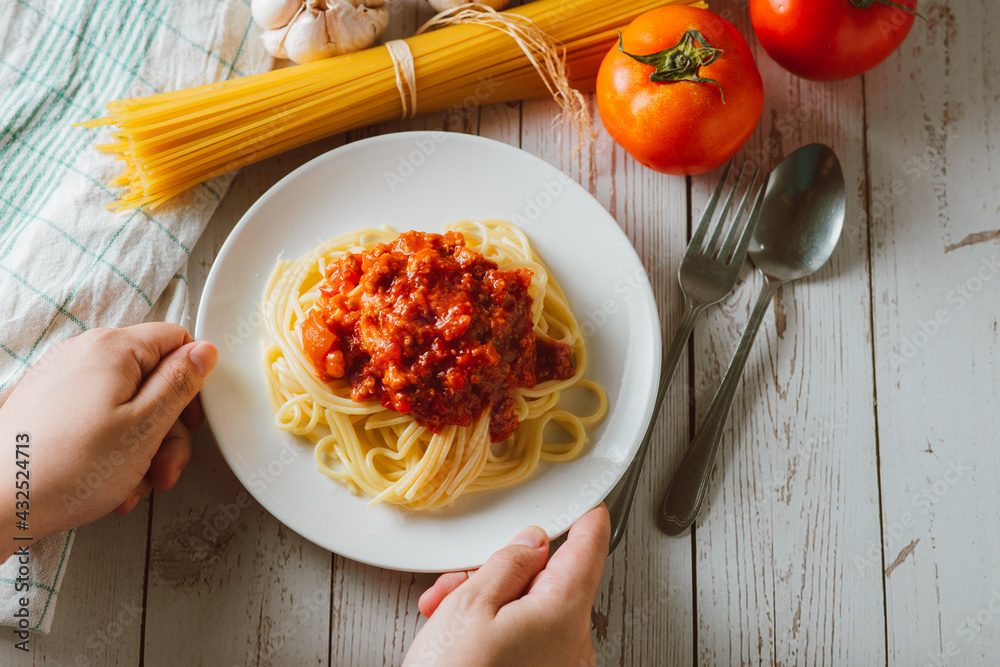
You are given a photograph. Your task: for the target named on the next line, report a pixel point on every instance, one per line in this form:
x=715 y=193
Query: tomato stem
x=868 y=3
x=680 y=62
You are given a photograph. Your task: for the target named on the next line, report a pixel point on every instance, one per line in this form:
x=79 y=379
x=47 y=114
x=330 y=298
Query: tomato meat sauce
x=430 y=327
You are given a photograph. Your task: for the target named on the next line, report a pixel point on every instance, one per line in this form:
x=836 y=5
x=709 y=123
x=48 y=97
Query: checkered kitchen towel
x=66 y=263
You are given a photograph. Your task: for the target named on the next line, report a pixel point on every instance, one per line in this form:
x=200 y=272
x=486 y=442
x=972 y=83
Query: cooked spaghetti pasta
x=388 y=455
x=172 y=141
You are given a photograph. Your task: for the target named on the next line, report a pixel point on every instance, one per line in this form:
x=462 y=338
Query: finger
x=193 y=415
x=171 y=458
x=152 y=341
x=506 y=575
x=575 y=569
x=171 y=386
x=134 y=498
x=442 y=588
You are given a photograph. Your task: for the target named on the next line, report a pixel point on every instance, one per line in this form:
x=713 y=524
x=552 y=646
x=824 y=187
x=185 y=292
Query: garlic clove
x=307 y=40
x=273 y=14
x=353 y=25
x=442 y=5
x=274 y=42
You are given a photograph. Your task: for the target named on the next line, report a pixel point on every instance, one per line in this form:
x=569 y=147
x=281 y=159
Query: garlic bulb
x=308 y=30
x=442 y=5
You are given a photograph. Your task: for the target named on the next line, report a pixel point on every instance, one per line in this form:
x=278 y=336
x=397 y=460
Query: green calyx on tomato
x=680 y=62
x=868 y=3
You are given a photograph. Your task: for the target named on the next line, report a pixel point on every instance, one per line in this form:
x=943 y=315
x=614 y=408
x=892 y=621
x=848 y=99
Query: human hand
x=515 y=609
x=108 y=415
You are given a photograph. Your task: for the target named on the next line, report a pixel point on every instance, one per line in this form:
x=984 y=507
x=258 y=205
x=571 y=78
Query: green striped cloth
x=66 y=263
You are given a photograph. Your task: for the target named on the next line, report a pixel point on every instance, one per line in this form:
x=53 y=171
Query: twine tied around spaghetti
x=406 y=76
x=546 y=54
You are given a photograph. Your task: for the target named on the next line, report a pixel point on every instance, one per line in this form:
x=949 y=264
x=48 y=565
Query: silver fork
x=708 y=273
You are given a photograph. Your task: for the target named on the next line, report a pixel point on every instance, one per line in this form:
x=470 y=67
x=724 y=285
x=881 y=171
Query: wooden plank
x=375 y=616
x=933 y=206
x=228 y=584
x=794 y=494
x=99 y=613
x=501 y=122
x=371 y=602
x=643 y=611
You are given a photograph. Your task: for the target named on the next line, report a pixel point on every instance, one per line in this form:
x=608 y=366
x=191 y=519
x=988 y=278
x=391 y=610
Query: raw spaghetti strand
x=387 y=455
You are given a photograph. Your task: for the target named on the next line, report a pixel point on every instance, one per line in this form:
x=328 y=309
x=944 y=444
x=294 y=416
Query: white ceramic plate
x=420 y=180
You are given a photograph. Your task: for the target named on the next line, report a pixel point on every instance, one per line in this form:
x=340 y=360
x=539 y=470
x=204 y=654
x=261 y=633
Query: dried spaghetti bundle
x=173 y=141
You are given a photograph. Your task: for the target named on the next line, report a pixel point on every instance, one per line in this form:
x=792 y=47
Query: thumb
x=174 y=383
x=506 y=575
x=574 y=572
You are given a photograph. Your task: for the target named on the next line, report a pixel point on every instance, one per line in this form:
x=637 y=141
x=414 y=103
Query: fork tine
x=726 y=251
x=741 y=250
x=706 y=217
x=714 y=243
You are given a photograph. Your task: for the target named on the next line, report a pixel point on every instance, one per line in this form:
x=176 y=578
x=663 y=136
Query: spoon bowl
x=802 y=216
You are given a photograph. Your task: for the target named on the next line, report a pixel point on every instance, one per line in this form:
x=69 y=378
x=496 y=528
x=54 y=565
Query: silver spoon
x=800 y=224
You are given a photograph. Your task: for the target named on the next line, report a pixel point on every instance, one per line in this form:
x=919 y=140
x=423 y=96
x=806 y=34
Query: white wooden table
x=853 y=516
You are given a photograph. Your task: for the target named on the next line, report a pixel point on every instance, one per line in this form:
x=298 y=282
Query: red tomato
x=680 y=91
x=825 y=40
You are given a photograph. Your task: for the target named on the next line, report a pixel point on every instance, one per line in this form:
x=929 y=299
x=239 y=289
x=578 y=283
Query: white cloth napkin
x=67 y=264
